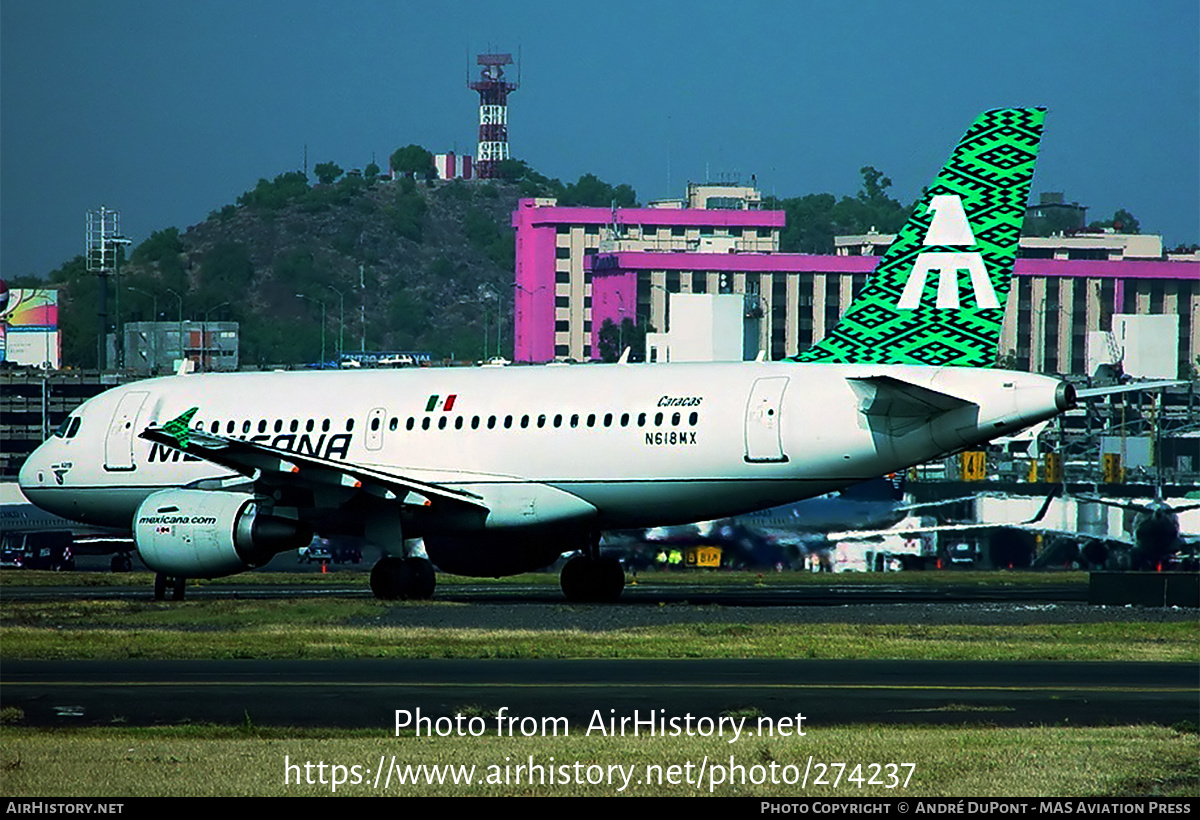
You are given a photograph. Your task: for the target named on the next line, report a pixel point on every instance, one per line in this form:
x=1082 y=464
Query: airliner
x=502 y=470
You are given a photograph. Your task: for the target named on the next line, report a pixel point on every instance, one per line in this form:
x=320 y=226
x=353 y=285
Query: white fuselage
x=638 y=445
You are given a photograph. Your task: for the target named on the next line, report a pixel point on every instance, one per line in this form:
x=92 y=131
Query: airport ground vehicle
x=50 y=549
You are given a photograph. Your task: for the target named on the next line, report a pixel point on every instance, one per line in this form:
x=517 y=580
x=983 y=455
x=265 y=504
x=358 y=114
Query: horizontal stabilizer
x=1099 y=392
x=896 y=407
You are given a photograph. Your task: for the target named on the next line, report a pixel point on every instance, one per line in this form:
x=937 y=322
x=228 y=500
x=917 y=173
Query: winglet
x=178 y=428
x=937 y=296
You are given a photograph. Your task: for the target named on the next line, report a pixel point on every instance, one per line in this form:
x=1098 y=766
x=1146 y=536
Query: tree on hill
x=407 y=213
x=815 y=219
x=588 y=191
x=327 y=172
x=413 y=161
x=277 y=193
x=163 y=251
x=592 y=191
x=226 y=272
x=157 y=247
x=1121 y=222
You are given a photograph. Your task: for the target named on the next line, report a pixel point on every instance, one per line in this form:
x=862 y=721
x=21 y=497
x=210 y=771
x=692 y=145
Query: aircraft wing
x=259 y=461
x=866 y=535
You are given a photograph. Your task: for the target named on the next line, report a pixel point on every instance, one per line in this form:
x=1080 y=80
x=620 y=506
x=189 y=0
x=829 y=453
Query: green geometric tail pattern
x=990 y=173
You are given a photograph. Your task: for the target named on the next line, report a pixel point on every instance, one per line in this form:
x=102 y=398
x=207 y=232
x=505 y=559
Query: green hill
x=436 y=258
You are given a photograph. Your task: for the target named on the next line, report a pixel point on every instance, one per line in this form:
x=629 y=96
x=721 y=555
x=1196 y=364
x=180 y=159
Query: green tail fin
x=937 y=296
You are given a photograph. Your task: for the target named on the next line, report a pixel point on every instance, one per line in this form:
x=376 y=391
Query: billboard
x=29 y=326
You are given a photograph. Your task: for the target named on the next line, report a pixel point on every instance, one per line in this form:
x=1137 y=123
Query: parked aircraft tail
x=937 y=296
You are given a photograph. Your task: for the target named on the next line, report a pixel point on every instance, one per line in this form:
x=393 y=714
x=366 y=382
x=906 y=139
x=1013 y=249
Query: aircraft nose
x=34 y=471
x=37 y=477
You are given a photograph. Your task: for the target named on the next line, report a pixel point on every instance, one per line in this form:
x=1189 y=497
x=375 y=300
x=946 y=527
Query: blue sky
x=167 y=110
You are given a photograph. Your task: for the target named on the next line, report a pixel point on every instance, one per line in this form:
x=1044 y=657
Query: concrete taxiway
x=739 y=595
x=366 y=693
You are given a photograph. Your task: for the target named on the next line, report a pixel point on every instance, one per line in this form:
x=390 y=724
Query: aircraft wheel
x=424 y=580
x=160 y=587
x=608 y=580
x=121 y=562
x=575 y=578
x=178 y=589
x=599 y=580
x=390 y=578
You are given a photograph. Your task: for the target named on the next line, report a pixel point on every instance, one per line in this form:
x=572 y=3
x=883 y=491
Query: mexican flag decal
x=446 y=405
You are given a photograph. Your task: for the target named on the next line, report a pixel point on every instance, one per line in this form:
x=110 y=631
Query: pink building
x=576 y=267
x=553 y=288
x=1054 y=305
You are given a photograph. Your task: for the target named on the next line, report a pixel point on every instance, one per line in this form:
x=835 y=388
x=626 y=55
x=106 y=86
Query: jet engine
x=203 y=534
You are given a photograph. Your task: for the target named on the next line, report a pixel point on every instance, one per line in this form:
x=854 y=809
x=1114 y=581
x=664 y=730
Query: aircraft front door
x=375 y=421
x=118 y=445
x=763 y=442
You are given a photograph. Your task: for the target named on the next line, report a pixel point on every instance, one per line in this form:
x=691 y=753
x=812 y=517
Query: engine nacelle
x=203 y=534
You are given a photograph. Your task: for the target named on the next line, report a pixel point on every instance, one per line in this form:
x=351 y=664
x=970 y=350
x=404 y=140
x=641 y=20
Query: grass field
x=363 y=628
x=956 y=761
x=968 y=760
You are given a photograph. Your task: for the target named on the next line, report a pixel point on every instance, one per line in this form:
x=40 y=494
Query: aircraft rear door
x=763 y=443
x=118 y=444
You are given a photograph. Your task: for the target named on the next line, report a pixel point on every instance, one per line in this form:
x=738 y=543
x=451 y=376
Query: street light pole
x=204 y=332
x=362 y=310
x=115 y=243
x=182 y=355
x=322 y=304
x=154 y=330
x=498 y=354
x=518 y=314
x=341 y=322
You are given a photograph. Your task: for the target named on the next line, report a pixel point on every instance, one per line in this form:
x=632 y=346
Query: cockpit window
x=68 y=428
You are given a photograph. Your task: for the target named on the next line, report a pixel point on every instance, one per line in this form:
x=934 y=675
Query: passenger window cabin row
x=249 y=427
x=541 y=421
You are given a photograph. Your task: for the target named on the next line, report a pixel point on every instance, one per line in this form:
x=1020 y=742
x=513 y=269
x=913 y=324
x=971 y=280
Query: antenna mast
x=493 y=91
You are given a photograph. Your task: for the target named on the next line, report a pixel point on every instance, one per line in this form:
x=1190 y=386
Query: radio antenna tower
x=493 y=113
x=103 y=241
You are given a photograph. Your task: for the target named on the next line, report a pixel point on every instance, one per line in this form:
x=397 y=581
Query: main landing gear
x=394 y=578
x=591 y=577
